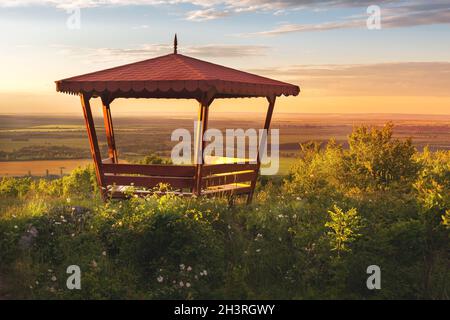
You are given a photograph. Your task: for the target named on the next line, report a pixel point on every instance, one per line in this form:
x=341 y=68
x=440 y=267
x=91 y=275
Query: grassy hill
x=310 y=235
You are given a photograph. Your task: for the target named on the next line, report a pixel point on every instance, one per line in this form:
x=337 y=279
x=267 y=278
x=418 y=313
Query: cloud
x=395 y=13
x=391 y=17
x=382 y=79
x=112 y=56
x=206 y=14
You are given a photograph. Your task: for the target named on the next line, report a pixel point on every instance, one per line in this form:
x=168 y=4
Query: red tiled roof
x=174 y=76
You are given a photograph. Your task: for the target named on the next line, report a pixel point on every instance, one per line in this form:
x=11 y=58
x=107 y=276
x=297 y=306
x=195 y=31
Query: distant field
x=63 y=138
x=38 y=168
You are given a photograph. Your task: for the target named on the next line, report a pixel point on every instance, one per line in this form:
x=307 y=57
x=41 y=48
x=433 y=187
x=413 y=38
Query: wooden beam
x=93 y=142
x=148 y=182
x=158 y=170
x=112 y=151
x=200 y=144
x=262 y=144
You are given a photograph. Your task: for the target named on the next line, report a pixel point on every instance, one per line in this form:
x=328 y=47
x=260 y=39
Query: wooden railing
x=215 y=175
x=148 y=176
x=234 y=178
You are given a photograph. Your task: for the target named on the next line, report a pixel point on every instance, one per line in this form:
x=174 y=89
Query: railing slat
x=210 y=169
x=150 y=170
x=213 y=181
x=148 y=182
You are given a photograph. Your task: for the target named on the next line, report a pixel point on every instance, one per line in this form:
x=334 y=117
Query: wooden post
x=200 y=144
x=93 y=142
x=262 y=144
x=112 y=151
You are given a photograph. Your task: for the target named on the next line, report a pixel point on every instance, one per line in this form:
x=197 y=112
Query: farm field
x=39 y=168
x=40 y=143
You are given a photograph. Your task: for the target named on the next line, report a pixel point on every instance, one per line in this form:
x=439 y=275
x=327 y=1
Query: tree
x=344 y=228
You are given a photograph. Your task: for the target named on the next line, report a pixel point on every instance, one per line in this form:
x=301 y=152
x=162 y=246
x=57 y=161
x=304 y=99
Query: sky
x=345 y=56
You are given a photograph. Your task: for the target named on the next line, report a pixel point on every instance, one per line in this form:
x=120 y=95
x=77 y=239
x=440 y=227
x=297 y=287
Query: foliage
x=344 y=227
x=380 y=198
x=153 y=158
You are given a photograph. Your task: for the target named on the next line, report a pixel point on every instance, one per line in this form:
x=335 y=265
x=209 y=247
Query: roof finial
x=175 y=45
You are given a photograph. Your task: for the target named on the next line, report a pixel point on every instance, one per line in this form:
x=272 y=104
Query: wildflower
x=189 y=268
x=37 y=282
x=181 y=284
x=160 y=279
x=298 y=198
x=258 y=250
x=53 y=278
x=196 y=277
x=279 y=239
x=182 y=266
x=188 y=285
x=104 y=253
x=68 y=200
x=50 y=270
x=15 y=227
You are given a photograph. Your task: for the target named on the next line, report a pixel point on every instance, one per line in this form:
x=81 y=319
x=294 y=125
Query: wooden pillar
x=200 y=144
x=93 y=142
x=262 y=144
x=112 y=151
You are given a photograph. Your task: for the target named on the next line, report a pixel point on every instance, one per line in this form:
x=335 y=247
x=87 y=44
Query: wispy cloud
x=147 y=51
x=392 y=17
x=382 y=79
x=395 y=13
x=206 y=14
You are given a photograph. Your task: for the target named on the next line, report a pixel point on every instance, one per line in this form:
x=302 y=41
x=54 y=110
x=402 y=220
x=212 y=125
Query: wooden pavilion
x=173 y=76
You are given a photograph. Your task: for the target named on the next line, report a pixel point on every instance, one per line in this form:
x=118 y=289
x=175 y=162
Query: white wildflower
x=182 y=266
x=181 y=284
x=53 y=278
x=188 y=285
x=160 y=279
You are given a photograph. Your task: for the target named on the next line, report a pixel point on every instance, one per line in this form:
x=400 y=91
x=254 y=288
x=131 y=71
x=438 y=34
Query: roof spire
x=175 y=45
